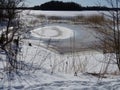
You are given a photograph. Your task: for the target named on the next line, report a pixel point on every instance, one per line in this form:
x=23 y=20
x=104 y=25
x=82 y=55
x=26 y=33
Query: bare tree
x=10 y=36
x=109 y=31
x=116 y=30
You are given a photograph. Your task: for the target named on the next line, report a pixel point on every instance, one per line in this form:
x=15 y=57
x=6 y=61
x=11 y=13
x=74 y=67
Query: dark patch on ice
x=1 y=88
x=19 y=87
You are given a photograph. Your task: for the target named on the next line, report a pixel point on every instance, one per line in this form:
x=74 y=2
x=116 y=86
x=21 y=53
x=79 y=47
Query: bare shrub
x=109 y=31
x=10 y=36
x=41 y=16
x=33 y=22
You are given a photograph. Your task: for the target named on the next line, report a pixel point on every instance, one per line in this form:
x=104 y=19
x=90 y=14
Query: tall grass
x=95 y=19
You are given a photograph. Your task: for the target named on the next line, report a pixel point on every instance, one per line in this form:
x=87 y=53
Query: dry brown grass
x=95 y=19
x=41 y=16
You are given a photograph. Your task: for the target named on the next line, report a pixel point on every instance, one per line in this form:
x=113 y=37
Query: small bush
x=41 y=16
x=33 y=22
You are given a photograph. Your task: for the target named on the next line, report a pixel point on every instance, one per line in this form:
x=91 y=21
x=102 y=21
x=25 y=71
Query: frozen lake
x=65 y=37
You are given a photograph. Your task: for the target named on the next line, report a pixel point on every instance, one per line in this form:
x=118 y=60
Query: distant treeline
x=64 y=6
x=69 y=6
x=59 y=5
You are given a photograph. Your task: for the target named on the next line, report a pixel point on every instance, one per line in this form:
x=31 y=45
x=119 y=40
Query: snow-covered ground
x=43 y=80
x=47 y=69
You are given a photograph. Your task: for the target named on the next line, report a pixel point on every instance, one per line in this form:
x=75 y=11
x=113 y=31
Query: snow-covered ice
x=52 y=32
x=62 y=13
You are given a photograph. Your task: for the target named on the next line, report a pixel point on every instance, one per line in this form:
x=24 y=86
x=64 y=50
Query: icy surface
x=52 y=32
x=62 y=13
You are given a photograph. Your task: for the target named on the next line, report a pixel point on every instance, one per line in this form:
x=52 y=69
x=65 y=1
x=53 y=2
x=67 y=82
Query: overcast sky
x=82 y=2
